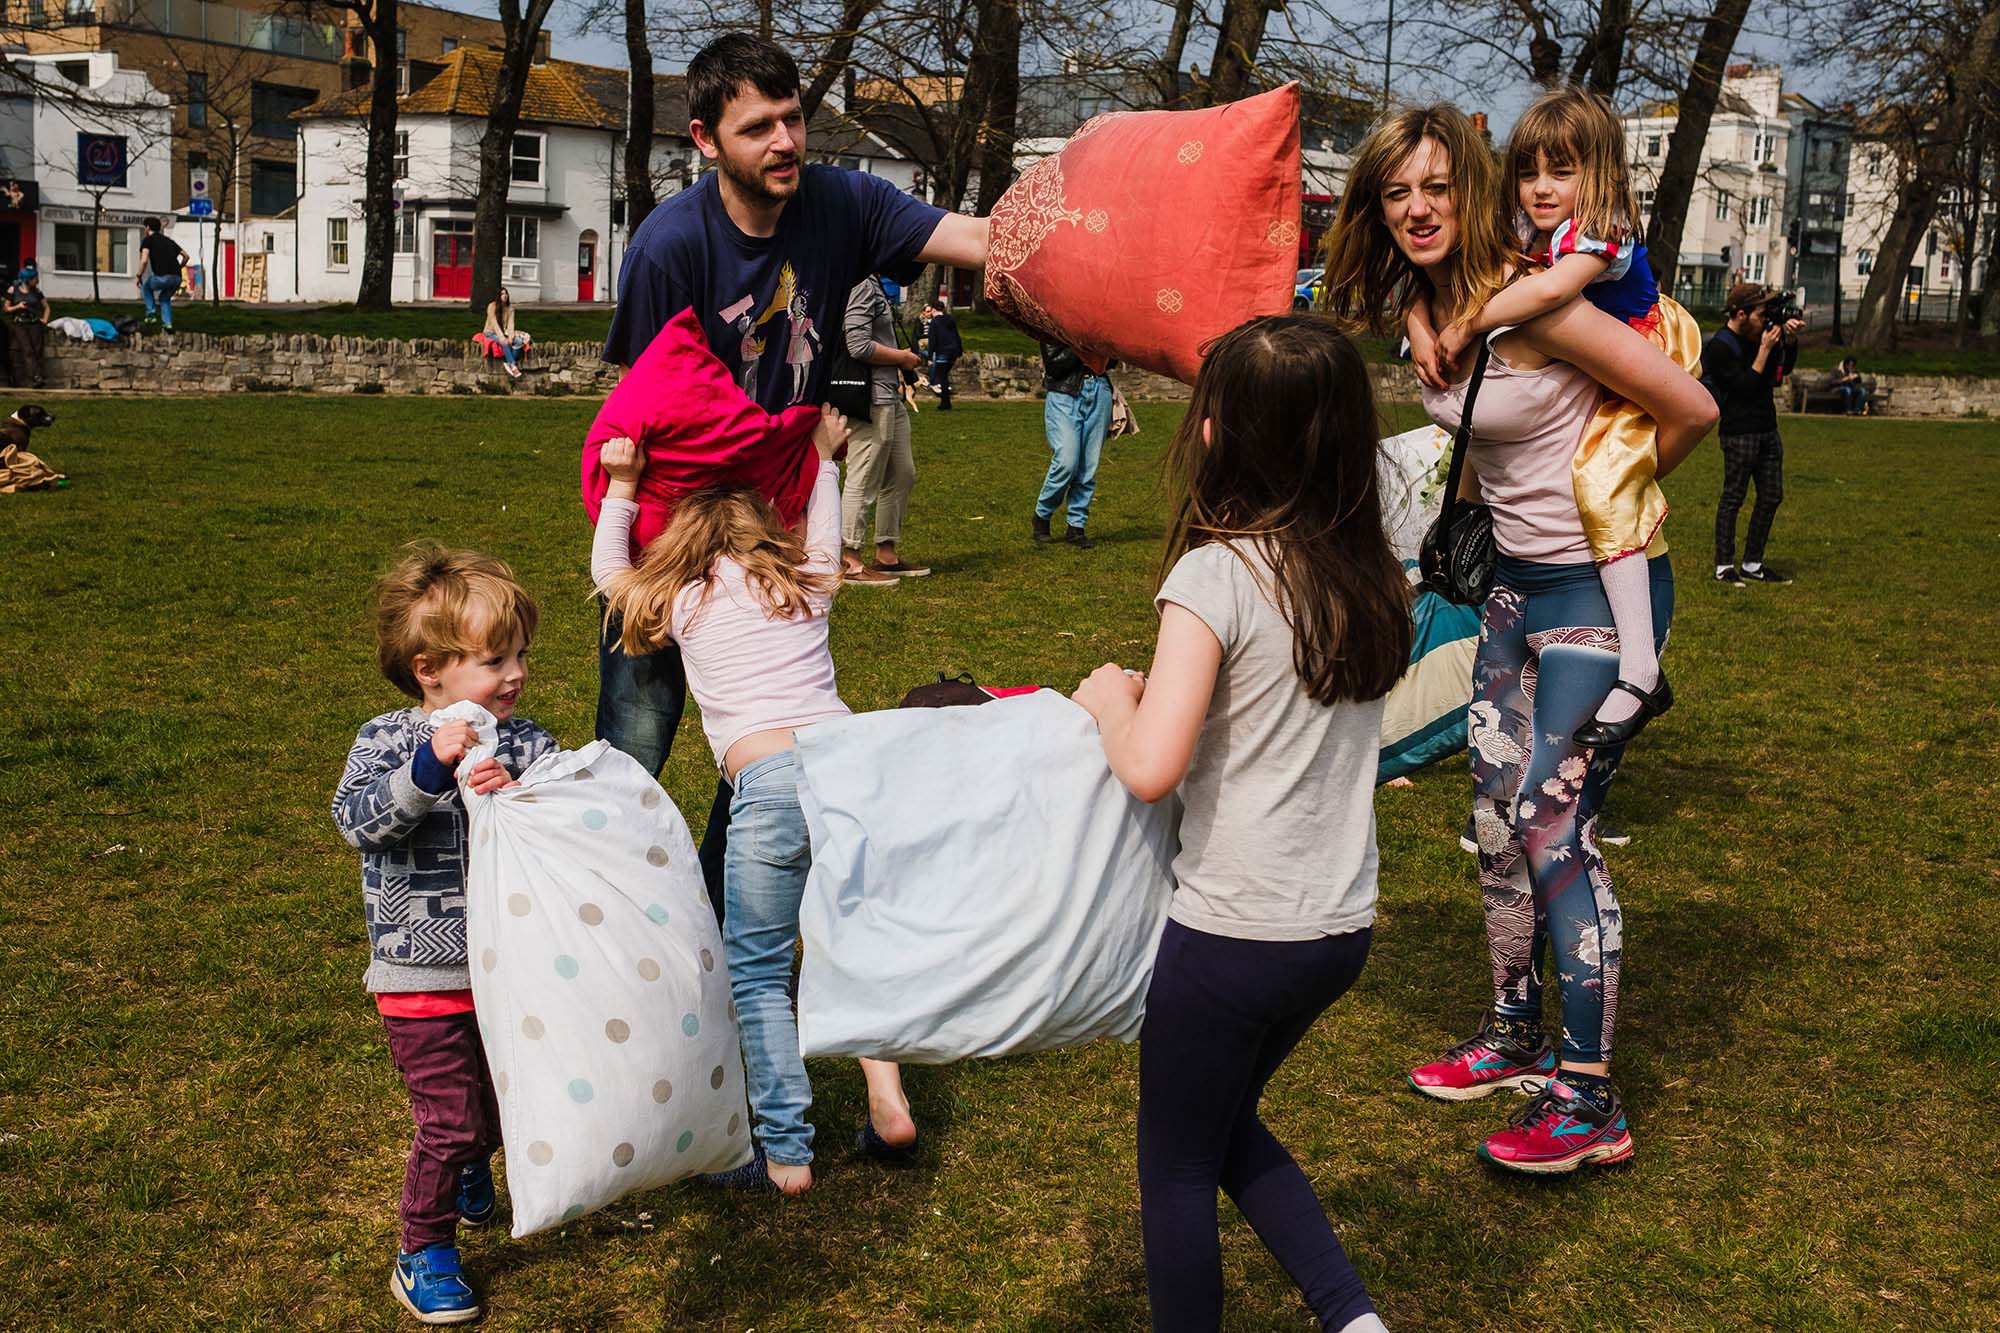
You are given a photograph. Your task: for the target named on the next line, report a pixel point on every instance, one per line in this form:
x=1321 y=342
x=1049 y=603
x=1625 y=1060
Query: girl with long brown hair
x=747 y=598
x=1284 y=619
x=1422 y=207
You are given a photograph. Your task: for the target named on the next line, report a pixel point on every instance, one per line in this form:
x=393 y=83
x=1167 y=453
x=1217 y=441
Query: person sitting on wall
x=500 y=337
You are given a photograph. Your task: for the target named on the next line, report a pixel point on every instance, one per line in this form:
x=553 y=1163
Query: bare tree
x=521 y=31
x=1928 y=89
x=640 y=198
x=1694 y=112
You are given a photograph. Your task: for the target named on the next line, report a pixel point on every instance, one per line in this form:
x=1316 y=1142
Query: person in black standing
x=27 y=312
x=160 y=274
x=944 y=347
x=1742 y=363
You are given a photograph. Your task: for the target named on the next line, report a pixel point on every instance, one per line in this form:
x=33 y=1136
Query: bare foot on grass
x=790 y=1179
x=888 y=1108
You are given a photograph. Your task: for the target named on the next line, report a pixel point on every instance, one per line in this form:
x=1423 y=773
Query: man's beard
x=750 y=182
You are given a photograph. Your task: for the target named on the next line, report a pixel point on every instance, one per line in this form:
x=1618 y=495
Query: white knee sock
x=1368 y=1323
x=1628 y=584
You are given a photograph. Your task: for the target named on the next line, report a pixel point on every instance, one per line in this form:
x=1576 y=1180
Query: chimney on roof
x=1479 y=123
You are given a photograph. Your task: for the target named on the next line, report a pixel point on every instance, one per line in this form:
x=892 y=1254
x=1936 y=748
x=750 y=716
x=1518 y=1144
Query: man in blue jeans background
x=764 y=222
x=1076 y=416
x=160 y=273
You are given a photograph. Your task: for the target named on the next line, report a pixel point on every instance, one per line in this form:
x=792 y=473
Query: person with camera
x=1742 y=364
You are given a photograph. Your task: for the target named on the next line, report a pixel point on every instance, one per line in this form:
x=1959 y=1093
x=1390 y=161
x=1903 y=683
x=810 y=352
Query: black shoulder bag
x=1456 y=559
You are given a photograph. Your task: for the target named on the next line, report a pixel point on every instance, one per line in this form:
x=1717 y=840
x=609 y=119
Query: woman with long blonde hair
x=747 y=598
x=1422 y=218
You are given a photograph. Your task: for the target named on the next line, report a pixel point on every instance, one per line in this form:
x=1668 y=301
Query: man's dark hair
x=728 y=62
x=152 y=224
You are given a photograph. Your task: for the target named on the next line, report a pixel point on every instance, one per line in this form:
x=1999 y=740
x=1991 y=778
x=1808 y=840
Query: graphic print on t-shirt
x=802 y=340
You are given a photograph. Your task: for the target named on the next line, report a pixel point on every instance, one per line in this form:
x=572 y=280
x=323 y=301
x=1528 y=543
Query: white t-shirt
x=1278 y=834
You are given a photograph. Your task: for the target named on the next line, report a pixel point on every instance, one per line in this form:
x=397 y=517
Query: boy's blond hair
x=1571 y=127
x=446 y=605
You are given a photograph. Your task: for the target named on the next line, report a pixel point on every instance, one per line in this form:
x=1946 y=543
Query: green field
x=200 y=1127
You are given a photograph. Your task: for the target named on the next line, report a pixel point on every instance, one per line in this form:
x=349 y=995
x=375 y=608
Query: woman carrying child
x=747 y=598
x=1577 y=221
x=1284 y=619
x=1422 y=219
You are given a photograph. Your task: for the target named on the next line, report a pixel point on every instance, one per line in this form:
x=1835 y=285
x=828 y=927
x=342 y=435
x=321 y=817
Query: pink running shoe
x=1559 y=1132
x=1484 y=1064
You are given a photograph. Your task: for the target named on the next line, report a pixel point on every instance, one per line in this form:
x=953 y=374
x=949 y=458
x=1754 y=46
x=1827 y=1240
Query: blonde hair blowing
x=446 y=605
x=1571 y=127
x=1369 y=282
x=708 y=525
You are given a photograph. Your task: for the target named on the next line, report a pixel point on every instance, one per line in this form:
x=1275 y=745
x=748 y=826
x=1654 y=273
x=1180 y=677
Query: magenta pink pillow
x=698 y=430
x=1152 y=232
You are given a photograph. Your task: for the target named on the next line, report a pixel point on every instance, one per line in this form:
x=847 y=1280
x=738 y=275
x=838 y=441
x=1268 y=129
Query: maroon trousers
x=457 y=1118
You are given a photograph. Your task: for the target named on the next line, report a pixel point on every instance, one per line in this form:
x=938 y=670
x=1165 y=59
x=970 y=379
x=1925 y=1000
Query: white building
x=84 y=161
x=564 y=231
x=1937 y=266
x=1736 y=221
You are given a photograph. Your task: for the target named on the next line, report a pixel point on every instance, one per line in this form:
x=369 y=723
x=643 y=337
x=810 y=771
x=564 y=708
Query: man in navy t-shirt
x=765 y=248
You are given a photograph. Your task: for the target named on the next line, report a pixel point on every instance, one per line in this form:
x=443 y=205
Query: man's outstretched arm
x=957 y=240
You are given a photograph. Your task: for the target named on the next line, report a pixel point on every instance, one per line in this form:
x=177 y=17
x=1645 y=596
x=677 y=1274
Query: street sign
x=199 y=207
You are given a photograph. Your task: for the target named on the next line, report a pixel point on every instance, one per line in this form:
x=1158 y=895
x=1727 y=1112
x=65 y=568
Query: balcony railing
x=199 y=19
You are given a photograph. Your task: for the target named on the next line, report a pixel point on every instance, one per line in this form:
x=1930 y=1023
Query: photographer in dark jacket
x=1076 y=416
x=1742 y=364
x=941 y=343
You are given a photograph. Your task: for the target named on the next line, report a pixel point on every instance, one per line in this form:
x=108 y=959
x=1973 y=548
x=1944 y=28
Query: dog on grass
x=19 y=469
x=19 y=428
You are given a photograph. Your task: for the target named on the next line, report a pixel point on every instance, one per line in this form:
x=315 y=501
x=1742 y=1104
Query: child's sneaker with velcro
x=476 y=1203
x=432 y=1287
x=1558 y=1132
x=1484 y=1064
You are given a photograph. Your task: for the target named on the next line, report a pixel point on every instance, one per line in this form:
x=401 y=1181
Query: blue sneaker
x=431 y=1286
x=476 y=1204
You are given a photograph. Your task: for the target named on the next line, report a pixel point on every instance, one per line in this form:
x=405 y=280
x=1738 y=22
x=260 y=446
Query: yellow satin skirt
x=1613 y=472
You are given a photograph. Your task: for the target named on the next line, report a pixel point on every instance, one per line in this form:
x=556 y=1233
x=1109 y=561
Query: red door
x=586 y=271
x=229 y=269
x=451 y=259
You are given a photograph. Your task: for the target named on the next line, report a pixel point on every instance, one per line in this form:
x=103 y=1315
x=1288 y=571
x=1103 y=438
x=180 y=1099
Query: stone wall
x=307 y=363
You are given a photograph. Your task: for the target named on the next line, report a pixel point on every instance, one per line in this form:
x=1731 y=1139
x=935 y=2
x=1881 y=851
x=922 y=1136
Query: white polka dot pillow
x=602 y=994
x=1152 y=232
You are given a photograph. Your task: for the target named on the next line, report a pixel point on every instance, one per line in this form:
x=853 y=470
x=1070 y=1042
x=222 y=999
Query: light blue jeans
x=1075 y=424
x=159 y=291
x=763 y=879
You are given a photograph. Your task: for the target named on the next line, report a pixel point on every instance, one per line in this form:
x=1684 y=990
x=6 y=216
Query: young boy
x=449 y=625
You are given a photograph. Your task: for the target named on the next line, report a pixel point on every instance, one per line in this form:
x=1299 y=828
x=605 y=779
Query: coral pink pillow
x=698 y=430
x=1152 y=232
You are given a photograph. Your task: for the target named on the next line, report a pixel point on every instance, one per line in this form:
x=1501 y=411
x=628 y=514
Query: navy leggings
x=1547 y=657
x=1221 y=1016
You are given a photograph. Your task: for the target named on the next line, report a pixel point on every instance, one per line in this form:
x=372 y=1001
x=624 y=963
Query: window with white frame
x=1754 y=268
x=528 y=159
x=1646 y=202
x=524 y=237
x=1874 y=164
x=406 y=232
x=1652 y=145
x=1864 y=262
x=1767 y=146
x=336 y=243
x=1759 y=211
x=402 y=167
x=73 y=250
x=1722 y=205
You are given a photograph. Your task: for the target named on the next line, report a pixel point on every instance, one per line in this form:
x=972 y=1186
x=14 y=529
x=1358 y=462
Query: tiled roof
x=559 y=92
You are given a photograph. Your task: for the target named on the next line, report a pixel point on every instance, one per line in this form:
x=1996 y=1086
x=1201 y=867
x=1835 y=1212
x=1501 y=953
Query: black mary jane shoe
x=1602 y=735
x=883 y=1151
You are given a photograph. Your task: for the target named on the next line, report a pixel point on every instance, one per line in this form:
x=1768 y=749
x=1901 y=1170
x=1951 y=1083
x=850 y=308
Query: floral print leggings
x=1547 y=656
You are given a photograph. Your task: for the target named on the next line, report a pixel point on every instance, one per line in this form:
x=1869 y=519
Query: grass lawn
x=200 y=1126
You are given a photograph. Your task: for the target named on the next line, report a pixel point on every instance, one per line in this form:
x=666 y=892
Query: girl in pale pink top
x=747 y=598
x=1422 y=217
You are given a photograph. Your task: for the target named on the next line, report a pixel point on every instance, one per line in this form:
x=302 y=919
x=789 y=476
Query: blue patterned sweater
x=402 y=811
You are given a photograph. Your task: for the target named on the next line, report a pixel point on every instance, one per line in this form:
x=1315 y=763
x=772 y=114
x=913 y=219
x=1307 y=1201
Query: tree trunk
x=496 y=146
x=1601 y=60
x=1917 y=197
x=639 y=194
x=1684 y=149
x=378 y=254
x=1003 y=102
x=994 y=64
x=1238 y=38
x=839 y=54
x=1167 y=70
x=1989 y=297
